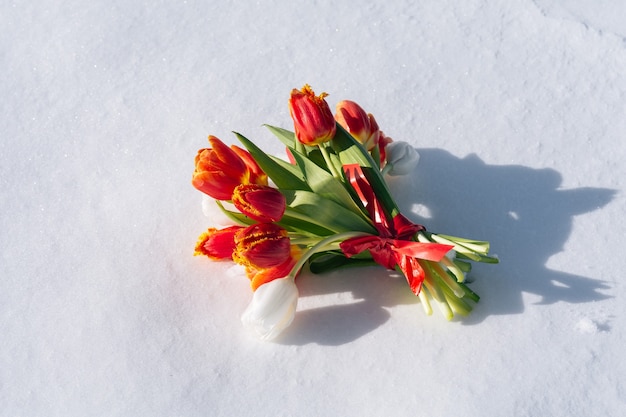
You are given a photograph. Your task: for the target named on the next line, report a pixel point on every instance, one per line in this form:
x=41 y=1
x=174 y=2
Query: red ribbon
x=393 y=245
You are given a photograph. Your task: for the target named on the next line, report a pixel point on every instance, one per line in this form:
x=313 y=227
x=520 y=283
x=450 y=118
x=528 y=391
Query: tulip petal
x=262 y=245
x=272 y=309
x=259 y=202
x=217 y=244
x=313 y=121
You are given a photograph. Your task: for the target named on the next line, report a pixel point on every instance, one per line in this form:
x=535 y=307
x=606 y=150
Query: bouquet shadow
x=349 y=317
x=522 y=211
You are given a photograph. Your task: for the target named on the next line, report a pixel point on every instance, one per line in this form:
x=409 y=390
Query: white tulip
x=402 y=158
x=272 y=308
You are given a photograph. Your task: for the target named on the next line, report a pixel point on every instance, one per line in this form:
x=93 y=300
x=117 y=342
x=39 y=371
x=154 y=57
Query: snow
x=517 y=109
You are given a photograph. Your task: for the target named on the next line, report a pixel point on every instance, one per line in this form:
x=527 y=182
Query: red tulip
x=266 y=252
x=383 y=141
x=262 y=276
x=361 y=125
x=259 y=202
x=313 y=121
x=257 y=176
x=217 y=244
x=220 y=169
x=262 y=245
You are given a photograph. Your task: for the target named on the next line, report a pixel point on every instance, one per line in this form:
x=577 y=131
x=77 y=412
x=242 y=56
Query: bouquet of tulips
x=327 y=206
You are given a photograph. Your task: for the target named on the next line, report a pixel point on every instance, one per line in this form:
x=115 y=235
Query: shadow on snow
x=520 y=210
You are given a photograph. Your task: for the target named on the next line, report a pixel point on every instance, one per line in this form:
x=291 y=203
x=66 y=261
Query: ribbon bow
x=394 y=244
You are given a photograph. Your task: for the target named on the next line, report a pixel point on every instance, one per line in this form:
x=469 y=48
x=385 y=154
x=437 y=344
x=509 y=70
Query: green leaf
x=376 y=156
x=282 y=173
x=294 y=169
x=287 y=137
x=323 y=183
x=350 y=151
x=295 y=222
x=324 y=212
x=239 y=218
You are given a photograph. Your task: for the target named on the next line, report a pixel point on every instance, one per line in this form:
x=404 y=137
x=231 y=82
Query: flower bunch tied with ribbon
x=326 y=206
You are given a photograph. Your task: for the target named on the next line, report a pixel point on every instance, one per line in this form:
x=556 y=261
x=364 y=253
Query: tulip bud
x=272 y=309
x=402 y=158
x=361 y=125
x=259 y=202
x=220 y=169
x=217 y=244
x=262 y=245
x=312 y=118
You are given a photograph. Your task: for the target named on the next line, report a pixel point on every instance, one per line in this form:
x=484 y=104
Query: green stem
x=322 y=246
x=304 y=241
x=425 y=303
x=329 y=162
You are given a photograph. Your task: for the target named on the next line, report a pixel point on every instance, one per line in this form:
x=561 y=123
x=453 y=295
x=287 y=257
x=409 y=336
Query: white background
x=518 y=109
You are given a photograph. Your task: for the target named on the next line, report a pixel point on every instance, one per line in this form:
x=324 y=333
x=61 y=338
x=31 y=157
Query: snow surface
x=518 y=109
